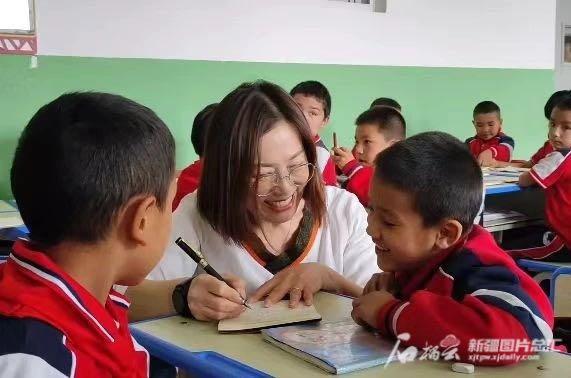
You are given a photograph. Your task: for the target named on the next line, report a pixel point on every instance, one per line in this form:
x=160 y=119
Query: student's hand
x=525 y=180
x=211 y=299
x=366 y=308
x=486 y=159
x=342 y=156
x=300 y=282
x=380 y=281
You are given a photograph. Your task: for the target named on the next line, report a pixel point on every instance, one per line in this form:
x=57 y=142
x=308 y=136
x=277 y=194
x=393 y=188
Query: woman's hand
x=300 y=282
x=210 y=299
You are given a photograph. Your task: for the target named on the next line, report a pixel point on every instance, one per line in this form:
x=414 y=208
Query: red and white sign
x=13 y=44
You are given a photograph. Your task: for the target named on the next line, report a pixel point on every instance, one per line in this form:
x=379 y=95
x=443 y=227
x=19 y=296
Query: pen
x=335 y=145
x=200 y=260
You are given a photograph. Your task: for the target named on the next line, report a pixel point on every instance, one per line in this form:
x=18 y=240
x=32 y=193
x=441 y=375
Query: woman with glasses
x=261 y=216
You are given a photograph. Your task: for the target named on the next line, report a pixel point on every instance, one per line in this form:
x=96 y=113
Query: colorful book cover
x=337 y=347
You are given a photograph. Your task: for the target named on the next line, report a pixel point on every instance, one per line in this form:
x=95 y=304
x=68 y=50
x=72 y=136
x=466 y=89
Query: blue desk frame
x=200 y=364
x=545 y=266
x=503 y=189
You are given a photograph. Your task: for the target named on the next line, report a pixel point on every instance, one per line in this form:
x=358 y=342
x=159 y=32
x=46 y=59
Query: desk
x=250 y=349
x=502 y=189
x=560 y=283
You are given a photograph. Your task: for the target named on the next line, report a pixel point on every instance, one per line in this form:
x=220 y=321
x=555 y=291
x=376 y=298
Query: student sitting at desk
x=101 y=216
x=261 y=214
x=190 y=176
x=551 y=169
x=377 y=128
x=442 y=275
x=490 y=146
x=386 y=101
x=315 y=102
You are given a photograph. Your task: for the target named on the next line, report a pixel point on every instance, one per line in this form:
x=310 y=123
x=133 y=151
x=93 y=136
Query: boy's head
x=377 y=129
x=425 y=195
x=314 y=100
x=560 y=125
x=199 y=128
x=385 y=101
x=553 y=100
x=97 y=168
x=487 y=120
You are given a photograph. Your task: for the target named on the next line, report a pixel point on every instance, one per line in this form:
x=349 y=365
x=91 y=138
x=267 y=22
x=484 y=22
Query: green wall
x=432 y=98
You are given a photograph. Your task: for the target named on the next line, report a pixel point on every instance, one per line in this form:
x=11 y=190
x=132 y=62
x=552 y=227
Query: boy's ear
x=137 y=217
x=450 y=232
x=474 y=122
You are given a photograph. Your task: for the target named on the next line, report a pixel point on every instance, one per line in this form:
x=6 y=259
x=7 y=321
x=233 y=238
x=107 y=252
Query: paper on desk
x=6 y=207
x=262 y=317
x=11 y=219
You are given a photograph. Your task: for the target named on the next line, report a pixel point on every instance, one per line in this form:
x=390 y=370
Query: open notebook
x=262 y=317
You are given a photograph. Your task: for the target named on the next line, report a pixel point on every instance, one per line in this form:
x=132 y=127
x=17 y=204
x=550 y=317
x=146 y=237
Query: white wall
x=450 y=33
x=562 y=72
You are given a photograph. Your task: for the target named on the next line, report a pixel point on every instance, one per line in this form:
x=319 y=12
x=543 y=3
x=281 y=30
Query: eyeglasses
x=297 y=176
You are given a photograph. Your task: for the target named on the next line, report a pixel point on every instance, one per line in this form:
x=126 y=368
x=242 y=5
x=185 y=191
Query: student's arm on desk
x=526 y=180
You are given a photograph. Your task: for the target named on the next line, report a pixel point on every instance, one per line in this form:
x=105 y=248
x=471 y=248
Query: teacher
x=261 y=216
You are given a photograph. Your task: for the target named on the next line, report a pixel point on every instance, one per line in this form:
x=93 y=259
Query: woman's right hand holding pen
x=210 y=299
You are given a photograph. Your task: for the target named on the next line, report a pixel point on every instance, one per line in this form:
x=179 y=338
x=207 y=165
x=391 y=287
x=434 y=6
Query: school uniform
x=474 y=291
x=359 y=178
x=52 y=327
x=341 y=243
x=553 y=173
x=502 y=146
x=187 y=182
x=325 y=163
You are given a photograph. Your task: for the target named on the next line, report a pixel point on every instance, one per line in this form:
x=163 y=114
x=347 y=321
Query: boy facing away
x=490 y=146
x=377 y=128
x=93 y=177
x=444 y=278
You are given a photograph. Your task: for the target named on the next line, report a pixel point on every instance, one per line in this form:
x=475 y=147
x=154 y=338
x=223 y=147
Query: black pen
x=200 y=260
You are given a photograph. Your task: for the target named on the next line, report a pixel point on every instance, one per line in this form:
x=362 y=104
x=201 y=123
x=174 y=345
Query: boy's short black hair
x=386 y=101
x=565 y=104
x=439 y=172
x=81 y=158
x=555 y=99
x=315 y=89
x=389 y=120
x=199 y=127
x=486 y=107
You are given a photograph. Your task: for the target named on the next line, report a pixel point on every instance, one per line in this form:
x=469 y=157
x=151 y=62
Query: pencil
x=200 y=260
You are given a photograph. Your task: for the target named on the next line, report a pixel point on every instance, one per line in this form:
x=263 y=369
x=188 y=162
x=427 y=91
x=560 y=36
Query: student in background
x=386 y=101
x=490 y=145
x=547 y=148
x=189 y=178
x=377 y=129
x=443 y=275
x=315 y=101
x=102 y=216
x=551 y=169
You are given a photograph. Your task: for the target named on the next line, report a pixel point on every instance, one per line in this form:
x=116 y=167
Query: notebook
x=262 y=317
x=9 y=216
x=337 y=347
